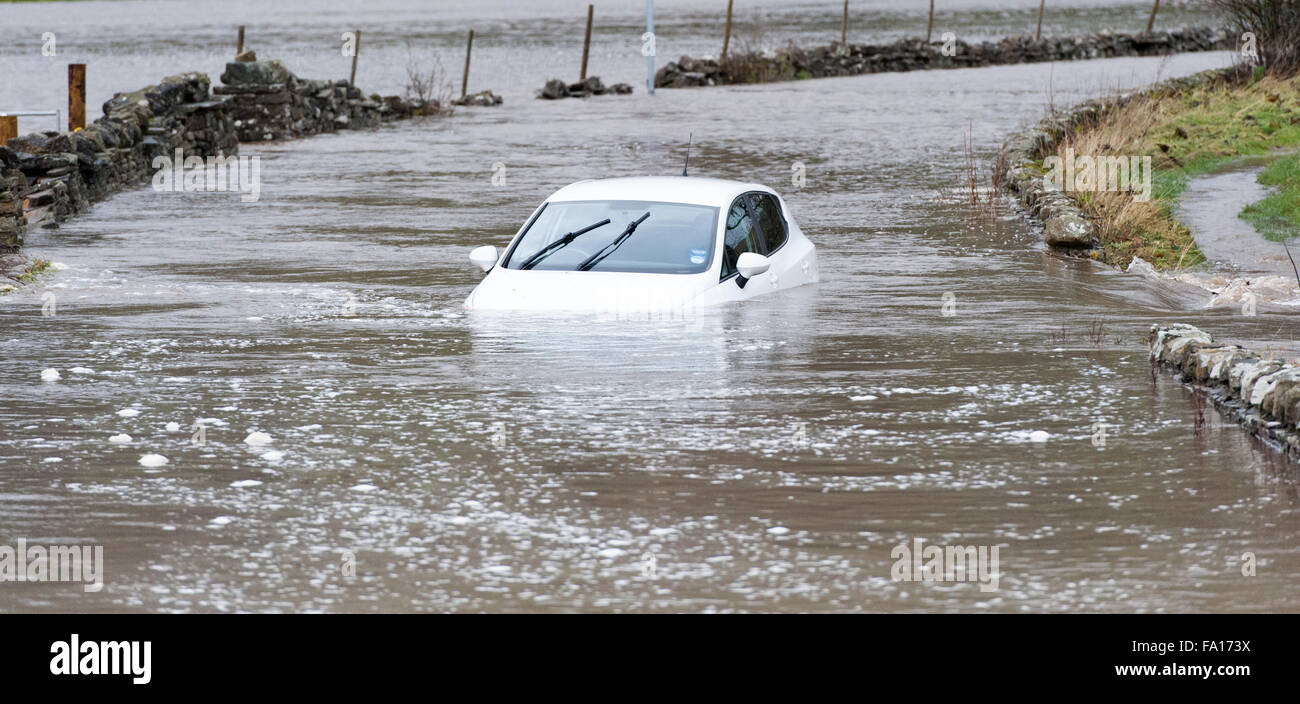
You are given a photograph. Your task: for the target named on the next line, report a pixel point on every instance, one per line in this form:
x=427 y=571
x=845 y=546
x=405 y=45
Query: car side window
x=771 y=223
x=739 y=238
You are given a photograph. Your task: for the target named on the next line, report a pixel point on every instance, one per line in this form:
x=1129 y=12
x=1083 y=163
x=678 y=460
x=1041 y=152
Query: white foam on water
x=128 y=413
x=1019 y=436
x=152 y=460
x=257 y=438
x=119 y=438
x=1227 y=290
x=245 y=483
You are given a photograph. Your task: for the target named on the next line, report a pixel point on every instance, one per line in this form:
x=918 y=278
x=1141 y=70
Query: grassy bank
x=1188 y=133
x=1277 y=217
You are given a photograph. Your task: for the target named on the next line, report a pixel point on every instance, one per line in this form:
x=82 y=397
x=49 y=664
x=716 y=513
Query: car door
x=773 y=233
x=773 y=230
x=743 y=231
x=741 y=235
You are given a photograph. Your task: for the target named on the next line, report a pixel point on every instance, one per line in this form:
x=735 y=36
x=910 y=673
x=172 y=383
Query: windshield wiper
x=608 y=249
x=546 y=251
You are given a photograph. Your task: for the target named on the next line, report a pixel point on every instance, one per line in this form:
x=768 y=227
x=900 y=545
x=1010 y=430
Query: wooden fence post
x=844 y=25
x=8 y=128
x=76 y=97
x=586 y=44
x=356 y=49
x=726 y=35
x=469 y=48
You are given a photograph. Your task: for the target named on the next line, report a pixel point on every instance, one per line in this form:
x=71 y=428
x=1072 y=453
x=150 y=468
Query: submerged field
x=765 y=457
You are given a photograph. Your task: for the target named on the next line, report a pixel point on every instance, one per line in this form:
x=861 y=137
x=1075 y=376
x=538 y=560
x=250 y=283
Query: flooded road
x=765 y=456
x=1211 y=208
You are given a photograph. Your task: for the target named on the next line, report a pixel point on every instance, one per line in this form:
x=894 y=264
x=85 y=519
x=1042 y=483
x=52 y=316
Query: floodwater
x=1210 y=208
x=766 y=456
x=1242 y=268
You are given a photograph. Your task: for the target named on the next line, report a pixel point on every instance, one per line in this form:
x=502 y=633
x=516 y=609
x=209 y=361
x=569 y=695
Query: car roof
x=670 y=189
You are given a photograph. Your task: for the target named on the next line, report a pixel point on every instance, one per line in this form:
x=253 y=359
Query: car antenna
x=687 y=165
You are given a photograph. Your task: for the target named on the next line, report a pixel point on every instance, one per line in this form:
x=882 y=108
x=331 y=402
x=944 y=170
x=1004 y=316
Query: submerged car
x=647 y=243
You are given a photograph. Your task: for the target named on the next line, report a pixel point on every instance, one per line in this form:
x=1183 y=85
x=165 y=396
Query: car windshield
x=676 y=238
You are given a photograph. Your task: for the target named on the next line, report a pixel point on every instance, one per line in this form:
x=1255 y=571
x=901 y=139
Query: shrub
x=430 y=90
x=1276 y=26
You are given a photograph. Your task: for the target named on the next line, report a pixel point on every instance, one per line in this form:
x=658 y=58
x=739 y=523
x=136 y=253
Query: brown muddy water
x=769 y=456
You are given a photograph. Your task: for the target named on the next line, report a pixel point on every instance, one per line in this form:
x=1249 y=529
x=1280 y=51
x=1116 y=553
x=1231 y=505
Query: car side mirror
x=751 y=264
x=484 y=257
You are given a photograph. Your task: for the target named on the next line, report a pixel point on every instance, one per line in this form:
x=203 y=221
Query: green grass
x=1222 y=127
x=1189 y=133
x=1277 y=217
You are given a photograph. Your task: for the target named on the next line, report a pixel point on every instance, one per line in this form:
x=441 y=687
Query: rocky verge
x=482 y=99
x=47 y=177
x=1260 y=393
x=556 y=89
x=1019 y=169
x=268 y=102
x=50 y=176
x=915 y=54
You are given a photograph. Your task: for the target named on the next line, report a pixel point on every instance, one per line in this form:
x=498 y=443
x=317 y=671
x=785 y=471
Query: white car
x=647 y=244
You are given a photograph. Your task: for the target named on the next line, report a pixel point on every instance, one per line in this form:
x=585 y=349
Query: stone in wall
x=63 y=172
x=1262 y=394
x=12 y=182
x=47 y=177
x=592 y=85
x=268 y=102
x=915 y=54
x=261 y=100
x=485 y=98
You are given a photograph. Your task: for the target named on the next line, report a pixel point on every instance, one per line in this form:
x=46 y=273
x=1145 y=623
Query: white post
x=650 y=57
